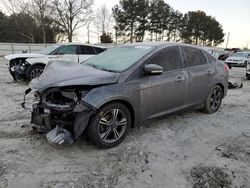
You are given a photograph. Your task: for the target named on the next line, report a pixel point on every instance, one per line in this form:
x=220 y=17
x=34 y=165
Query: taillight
x=226 y=68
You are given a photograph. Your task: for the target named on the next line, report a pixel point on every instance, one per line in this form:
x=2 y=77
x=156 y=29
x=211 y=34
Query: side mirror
x=153 y=69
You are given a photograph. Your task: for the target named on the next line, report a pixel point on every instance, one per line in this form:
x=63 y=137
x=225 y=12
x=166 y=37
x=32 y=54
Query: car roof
x=160 y=44
x=73 y=43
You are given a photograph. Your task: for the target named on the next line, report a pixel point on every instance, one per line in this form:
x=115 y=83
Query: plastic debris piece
x=59 y=136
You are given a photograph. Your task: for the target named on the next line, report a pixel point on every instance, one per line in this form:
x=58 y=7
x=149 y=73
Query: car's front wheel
x=35 y=71
x=110 y=125
x=213 y=100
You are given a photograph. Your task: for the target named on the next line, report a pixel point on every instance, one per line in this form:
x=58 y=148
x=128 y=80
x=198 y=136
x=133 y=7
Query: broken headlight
x=32 y=98
x=64 y=99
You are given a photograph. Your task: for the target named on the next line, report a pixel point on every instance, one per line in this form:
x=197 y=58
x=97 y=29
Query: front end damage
x=17 y=68
x=62 y=111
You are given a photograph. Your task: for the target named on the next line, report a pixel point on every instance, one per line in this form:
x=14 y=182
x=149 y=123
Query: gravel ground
x=190 y=149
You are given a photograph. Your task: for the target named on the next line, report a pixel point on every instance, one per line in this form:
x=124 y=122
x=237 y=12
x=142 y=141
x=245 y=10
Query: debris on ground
x=238 y=149
x=234 y=83
x=210 y=177
x=59 y=136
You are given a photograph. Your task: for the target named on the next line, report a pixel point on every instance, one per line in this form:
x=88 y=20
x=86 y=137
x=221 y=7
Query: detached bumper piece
x=235 y=83
x=59 y=136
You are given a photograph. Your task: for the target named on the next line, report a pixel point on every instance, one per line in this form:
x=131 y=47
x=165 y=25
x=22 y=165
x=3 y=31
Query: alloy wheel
x=215 y=98
x=112 y=125
x=35 y=73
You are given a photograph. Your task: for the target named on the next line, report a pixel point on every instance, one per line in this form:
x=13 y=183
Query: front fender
x=128 y=92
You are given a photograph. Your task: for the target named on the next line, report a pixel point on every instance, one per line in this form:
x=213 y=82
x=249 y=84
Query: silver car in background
x=125 y=86
x=238 y=59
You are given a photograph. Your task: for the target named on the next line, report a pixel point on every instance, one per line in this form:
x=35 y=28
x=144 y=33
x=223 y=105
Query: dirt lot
x=187 y=150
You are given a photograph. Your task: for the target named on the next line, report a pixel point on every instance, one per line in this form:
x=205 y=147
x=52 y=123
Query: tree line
x=50 y=21
x=159 y=21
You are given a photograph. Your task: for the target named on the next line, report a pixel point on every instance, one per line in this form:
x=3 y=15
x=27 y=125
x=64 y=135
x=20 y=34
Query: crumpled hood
x=62 y=73
x=23 y=55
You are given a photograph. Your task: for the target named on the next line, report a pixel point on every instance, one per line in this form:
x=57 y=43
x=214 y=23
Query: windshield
x=48 y=50
x=118 y=59
x=240 y=54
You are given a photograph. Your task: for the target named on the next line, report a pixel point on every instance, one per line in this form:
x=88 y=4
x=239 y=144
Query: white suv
x=29 y=66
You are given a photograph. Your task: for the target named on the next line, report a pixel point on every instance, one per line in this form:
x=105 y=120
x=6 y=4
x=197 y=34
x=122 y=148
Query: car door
x=67 y=53
x=200 y=75
x=165 y=93
x=85 y=52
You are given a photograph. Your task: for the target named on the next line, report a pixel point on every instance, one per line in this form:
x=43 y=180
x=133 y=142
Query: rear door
x=200 y=75
x=165 y=93
x=85 y=52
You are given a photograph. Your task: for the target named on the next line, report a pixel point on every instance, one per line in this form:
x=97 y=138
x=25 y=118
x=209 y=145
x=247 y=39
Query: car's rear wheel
x=110 y=125
x=213 y=100
x=248 y=76
x=35 y=71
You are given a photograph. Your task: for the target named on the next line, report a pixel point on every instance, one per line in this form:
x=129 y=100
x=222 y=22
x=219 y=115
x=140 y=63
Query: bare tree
x=103 y=21
x=41 y=11
x=71 y=15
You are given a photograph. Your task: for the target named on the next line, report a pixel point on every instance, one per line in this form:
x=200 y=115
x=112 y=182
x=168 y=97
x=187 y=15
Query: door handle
x=179 y=79
x=209 y=72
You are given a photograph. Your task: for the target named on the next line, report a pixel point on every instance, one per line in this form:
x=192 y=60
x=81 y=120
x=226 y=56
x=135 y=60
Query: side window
x=169 y=58
x=67 y=50
x=194 y=57
x=99 y=50
x=86 y=50
x=210 y=58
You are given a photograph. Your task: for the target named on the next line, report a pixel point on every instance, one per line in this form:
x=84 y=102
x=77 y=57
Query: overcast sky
x=233 y=15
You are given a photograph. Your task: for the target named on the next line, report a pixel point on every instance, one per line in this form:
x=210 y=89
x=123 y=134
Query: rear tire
x=110 y=125
x=213 y=100
x=35 y=71
x=248 y=76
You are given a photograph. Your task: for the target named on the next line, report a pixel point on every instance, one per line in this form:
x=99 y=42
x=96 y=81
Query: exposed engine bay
x=58 y=107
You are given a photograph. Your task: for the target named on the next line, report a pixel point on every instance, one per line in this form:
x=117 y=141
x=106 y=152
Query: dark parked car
x=118 y=89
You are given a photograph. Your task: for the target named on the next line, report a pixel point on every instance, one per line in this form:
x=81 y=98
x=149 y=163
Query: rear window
x=210 y=58
x=194 y=57
x=99 y=50
x=86 y=50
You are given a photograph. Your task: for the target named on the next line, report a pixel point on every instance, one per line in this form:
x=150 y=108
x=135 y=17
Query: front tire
x=110 y=125
x=35 y=71
x=213 y=100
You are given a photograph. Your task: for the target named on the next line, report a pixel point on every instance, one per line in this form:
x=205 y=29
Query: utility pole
x=228 y=35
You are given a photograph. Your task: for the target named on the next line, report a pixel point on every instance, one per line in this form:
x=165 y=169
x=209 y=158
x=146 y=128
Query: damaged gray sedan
x=119 y=89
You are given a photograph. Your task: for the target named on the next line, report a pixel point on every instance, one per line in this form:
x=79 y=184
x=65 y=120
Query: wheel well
x=222 y=87
x=41 y=64
x=129 y=106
